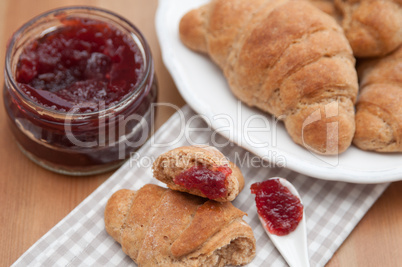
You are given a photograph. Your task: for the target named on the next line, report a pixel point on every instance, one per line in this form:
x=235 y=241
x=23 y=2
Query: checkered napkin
x=332 y=209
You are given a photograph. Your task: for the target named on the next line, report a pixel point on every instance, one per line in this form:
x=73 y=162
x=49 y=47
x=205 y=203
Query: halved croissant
x=285 y=57
x=176 y=162
x=161 y=227
x=379 y=108
x=373 y=27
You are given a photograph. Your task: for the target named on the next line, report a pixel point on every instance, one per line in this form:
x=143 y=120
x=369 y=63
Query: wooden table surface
x=33 y=200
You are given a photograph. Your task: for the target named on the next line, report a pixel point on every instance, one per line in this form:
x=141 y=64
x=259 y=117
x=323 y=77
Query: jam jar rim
x=132 y=29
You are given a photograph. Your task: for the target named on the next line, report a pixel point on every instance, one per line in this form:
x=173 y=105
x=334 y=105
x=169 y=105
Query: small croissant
x=285 y=57
x=161 y=227
x=379 y=107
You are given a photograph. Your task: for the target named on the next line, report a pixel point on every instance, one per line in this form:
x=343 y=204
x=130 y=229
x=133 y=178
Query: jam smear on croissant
x=211 y=182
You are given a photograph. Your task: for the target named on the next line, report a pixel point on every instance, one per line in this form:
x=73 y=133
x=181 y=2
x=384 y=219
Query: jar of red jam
x=79 y=88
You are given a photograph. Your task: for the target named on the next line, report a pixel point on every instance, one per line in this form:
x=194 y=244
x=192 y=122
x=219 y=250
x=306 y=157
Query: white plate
x=203 y=86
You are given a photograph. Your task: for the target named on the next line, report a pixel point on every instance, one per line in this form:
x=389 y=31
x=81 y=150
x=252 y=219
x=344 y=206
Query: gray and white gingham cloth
x=332 y=209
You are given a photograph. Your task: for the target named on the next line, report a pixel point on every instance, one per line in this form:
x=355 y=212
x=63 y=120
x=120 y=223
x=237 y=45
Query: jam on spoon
x=280 y=210
x=279 y=202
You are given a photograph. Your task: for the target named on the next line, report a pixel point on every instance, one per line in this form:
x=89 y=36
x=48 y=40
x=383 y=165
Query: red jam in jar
x=79 y=89
x=277 y=206
x=211 y=182
x=80 y=64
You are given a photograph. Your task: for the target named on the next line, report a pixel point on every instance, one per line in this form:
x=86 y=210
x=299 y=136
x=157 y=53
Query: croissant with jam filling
x=199 y=170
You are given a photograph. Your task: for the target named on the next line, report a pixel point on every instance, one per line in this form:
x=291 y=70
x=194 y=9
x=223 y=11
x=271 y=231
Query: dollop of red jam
x=211 y=182
x=277 y=206
x=82 y=63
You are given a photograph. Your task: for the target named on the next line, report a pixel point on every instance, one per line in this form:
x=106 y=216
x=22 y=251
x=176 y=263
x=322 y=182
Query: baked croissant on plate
x=161 y=227
x=285 y=57
x=373 y=27
x=199 y=170
x=379 y=108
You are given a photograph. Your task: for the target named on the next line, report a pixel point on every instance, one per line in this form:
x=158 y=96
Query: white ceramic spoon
x=292 y=246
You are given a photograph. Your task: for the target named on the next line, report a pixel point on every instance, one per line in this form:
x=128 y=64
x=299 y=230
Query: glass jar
x=73 y=141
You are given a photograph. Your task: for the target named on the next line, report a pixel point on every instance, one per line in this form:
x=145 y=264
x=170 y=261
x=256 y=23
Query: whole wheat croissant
x=379 y=108
x=373 y=27
x=285 y=57
x=168 y=166
x=161 y=227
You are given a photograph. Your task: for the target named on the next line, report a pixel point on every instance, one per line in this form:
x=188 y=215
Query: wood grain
x=33 y=200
